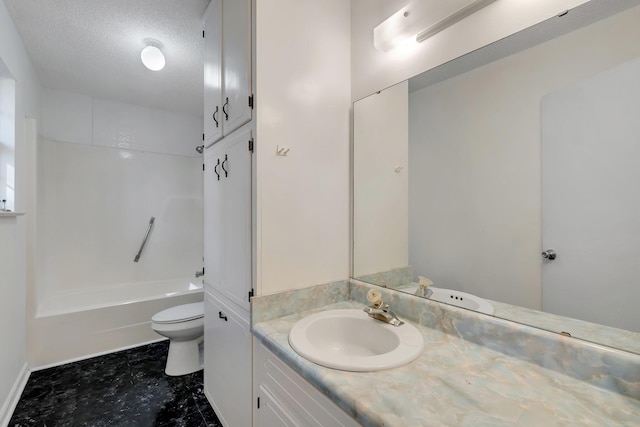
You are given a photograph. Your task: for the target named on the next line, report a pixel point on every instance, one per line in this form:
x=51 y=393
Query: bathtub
x=77 y=325
x=129 y=293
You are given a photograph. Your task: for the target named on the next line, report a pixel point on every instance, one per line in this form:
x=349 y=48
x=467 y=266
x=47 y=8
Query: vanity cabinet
x=228 y=100
x=227 y=217
x=227 y=356
x=284 y=398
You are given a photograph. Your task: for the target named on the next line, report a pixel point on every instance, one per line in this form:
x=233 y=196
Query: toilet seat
x=180 y=313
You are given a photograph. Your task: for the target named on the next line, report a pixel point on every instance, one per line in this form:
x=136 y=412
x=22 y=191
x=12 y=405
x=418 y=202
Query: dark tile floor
x=127 y=388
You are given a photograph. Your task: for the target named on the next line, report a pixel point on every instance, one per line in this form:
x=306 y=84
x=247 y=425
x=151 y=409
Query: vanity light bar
x=466 y=11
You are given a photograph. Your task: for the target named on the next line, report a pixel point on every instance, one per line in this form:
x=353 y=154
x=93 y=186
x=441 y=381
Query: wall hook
x=282 y=151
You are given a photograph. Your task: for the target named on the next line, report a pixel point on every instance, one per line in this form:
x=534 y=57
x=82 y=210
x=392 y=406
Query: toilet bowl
x=184 y=326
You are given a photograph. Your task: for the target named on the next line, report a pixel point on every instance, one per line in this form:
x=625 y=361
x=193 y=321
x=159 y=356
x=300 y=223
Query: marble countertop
x=455 y=382
x=625 y=340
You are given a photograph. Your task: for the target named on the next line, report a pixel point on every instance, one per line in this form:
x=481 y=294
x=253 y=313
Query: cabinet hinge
x=203 y=33
x=203 y=136
x=258 y=403
x=203 y=166
x=251 y=101
x=251 y=145
x=250 y=294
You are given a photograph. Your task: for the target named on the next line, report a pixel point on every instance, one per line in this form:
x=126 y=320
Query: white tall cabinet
x=227 y=261
x=227 y=210
x=267 y=216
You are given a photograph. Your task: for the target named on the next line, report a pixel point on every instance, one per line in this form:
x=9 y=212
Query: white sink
x=457 y=298
x=350 y=340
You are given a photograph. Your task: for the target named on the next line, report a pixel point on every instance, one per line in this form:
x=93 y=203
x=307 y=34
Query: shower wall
x=104 y=169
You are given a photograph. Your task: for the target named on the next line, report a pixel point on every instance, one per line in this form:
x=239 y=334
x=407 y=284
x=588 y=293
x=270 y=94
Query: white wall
x=475 y=157
x=381 y=181
x=303 y=103
x=106 y=168
x=373 y=70
x=13 y=231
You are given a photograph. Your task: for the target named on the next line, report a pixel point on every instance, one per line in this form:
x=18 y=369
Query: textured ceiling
x=93 y=47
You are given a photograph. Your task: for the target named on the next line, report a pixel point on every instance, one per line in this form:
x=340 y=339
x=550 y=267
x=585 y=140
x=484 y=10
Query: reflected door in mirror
x=591 y=203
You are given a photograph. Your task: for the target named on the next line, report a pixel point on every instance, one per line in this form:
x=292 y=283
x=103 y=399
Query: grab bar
x=144 y=241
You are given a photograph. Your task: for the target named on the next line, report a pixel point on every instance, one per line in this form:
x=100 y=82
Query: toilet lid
x=180 y=313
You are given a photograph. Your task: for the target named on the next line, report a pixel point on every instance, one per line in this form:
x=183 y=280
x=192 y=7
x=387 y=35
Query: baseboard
x=14 y=396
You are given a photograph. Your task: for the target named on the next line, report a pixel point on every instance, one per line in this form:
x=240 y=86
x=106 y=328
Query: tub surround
x=475 y=369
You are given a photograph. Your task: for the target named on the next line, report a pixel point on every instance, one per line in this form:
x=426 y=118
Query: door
x=227 y=218
x=213 y=249
x=236 y=51
x=227 y=371
x=213 y=73
x=591 y=202
x=271 y=413
x=236 y=219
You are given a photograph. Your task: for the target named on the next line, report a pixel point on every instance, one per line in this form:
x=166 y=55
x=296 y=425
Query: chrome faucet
x=423 y=288
x=379 y=310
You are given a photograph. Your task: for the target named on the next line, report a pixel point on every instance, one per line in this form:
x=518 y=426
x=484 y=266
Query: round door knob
x=549 y=254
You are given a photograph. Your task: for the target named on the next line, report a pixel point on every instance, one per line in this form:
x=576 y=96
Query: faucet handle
x=374 y=296
x=424 y=282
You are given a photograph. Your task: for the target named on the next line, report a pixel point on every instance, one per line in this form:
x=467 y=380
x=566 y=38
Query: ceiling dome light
x=152 y=58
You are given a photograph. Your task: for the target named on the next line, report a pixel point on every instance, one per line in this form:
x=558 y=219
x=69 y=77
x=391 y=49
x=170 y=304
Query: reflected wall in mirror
x=7 y=138
x=466 y=185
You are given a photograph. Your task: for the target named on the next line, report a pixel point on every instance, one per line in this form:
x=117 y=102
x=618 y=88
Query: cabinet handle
x=214 y=116
x=223 y=316
x=226 y=173
x=215 y=169
x=224 y=110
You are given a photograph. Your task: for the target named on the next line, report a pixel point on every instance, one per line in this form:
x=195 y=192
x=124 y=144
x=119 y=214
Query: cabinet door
x=288 y=396
x=272 y=414
x=213 y=215
x=236 y=219
x=236 y=51
x=227 y=370
x=213 y=73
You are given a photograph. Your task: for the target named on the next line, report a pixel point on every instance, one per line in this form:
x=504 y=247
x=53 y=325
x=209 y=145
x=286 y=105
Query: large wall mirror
x=7 y=138
x=508 y=178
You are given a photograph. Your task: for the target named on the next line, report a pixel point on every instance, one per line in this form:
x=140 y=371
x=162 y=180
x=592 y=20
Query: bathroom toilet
x=184 y=326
